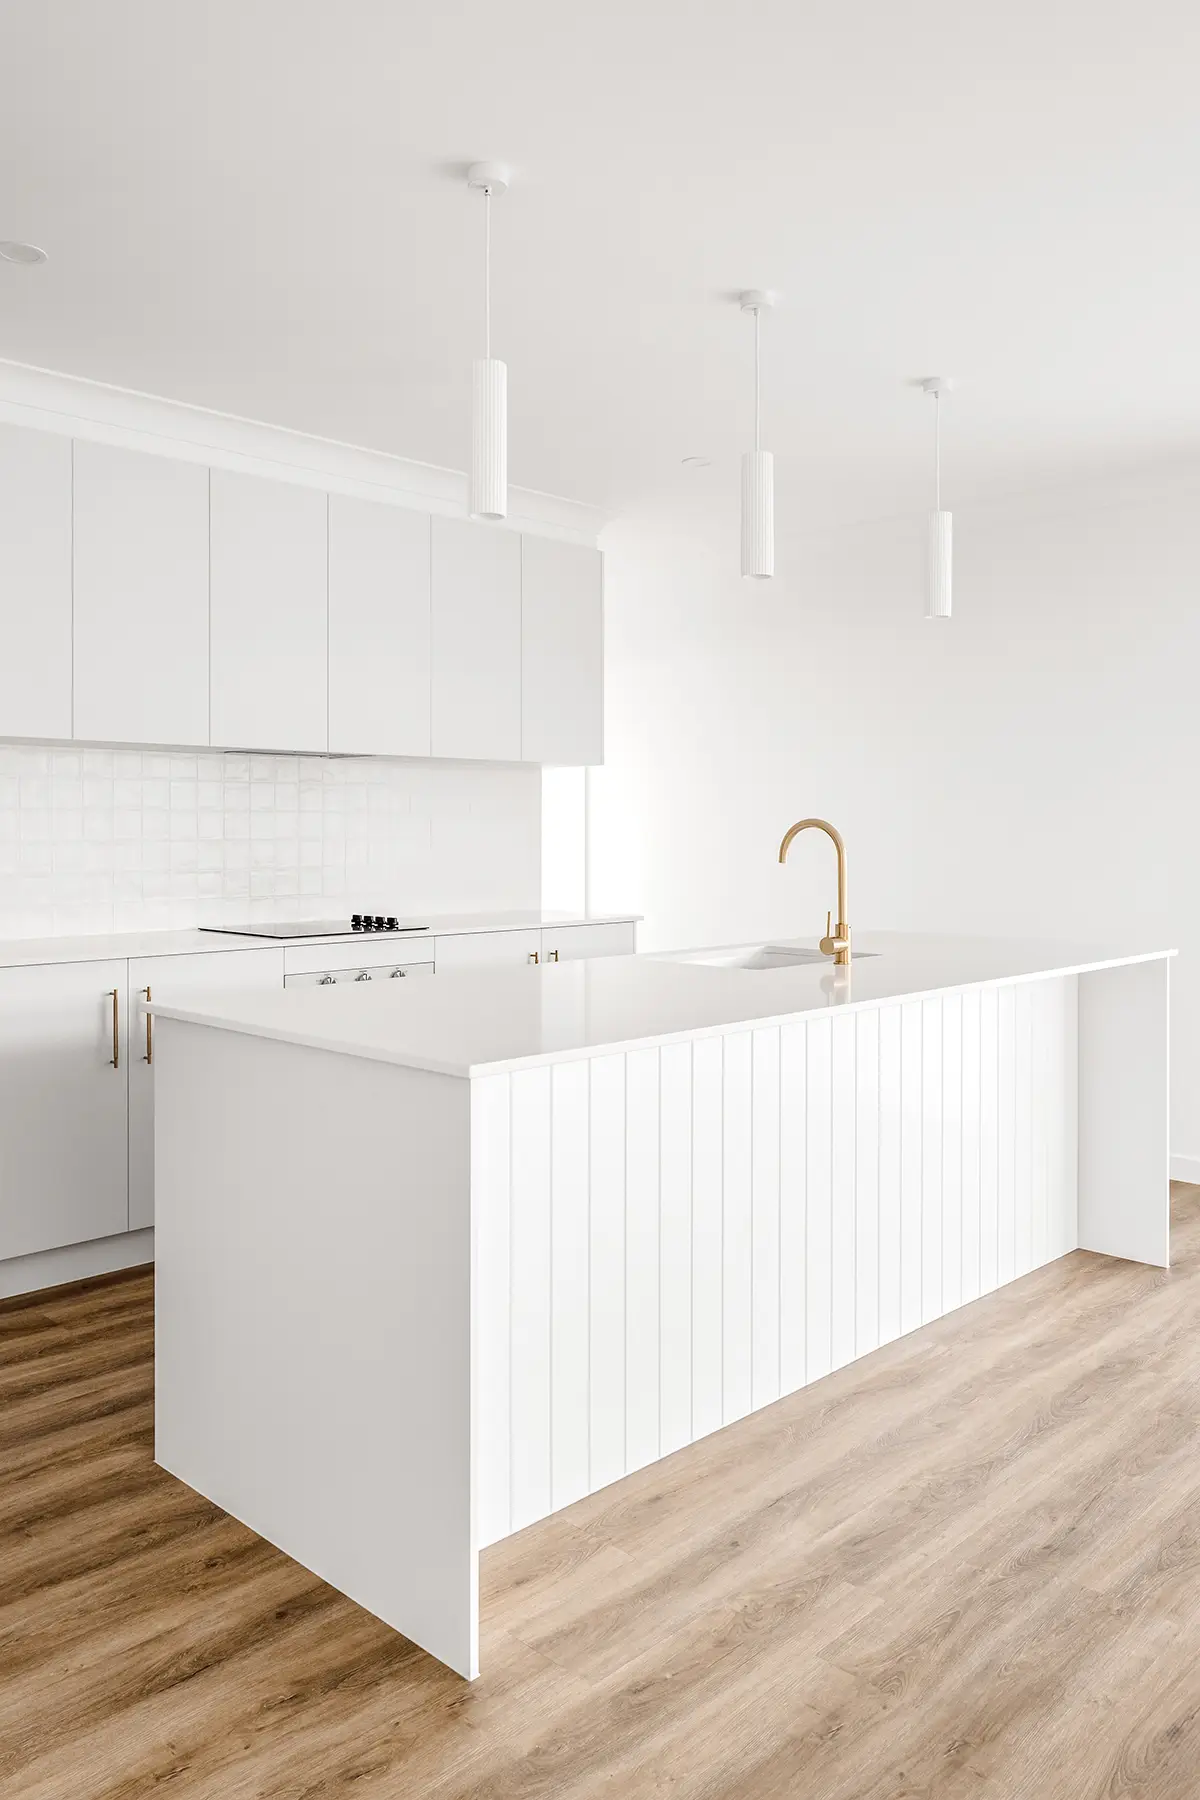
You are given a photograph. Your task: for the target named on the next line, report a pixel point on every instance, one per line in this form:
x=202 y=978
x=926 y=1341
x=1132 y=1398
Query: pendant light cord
x=937 y=453
x=487 y=273
x=757 y=383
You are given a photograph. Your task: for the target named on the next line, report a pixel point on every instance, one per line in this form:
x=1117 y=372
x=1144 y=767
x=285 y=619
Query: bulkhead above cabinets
x=150 y=600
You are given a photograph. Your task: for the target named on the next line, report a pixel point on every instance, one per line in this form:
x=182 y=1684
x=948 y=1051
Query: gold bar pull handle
x=552 y=956
x=533 y=957
x=116 y=1055
x=149 y=1056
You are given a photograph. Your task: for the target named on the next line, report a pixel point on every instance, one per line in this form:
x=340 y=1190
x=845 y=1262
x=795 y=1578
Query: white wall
x=1027 y=768
x=129 y=840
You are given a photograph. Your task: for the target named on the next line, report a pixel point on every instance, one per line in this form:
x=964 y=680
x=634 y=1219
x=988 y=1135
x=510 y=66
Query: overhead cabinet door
x=35 y=584
x=141 y=597
x=476 y=641
x=378 y=628
x=269 y=614
x=562 y=653
x=62 y=1105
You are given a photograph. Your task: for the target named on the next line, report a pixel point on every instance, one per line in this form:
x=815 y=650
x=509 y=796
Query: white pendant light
x=489 y=376
x=758 y=467
x=941 y=555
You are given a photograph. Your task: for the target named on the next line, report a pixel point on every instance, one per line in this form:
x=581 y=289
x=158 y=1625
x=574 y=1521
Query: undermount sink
x=757 y=956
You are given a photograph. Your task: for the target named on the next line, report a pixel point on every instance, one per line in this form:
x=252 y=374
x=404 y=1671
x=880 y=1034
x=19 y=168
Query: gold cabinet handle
x=149 y=1056
x=116 y=1055
x=533 y=957
x=552 y=956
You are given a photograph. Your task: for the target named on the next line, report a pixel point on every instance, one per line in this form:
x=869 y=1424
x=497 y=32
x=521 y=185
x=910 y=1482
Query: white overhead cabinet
x=476 y=642
x=63 y=1098
x=35 y=584
x=379 y=601
x=268 y=614
x=148 y=600
x=562 y=653
x=141 y=598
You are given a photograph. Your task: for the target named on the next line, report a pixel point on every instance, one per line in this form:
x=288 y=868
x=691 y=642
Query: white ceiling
x=257 y=205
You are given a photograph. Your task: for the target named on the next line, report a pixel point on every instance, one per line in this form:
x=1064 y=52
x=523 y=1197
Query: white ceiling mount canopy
x=489 y=377
x=941 y=549
x=25 y=254
x=758 y=465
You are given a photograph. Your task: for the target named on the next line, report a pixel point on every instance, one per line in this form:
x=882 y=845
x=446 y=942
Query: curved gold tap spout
x=836 y=942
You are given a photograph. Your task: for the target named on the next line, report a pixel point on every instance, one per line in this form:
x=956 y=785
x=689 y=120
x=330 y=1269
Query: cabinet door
x=476 y=583
x=475 y=949
x=174 y=978
x=35 y=584
x=268 y=613
x=63 y=1106
x=141 y=597
x=378 y=629
x=564 y=943
x=562 y=653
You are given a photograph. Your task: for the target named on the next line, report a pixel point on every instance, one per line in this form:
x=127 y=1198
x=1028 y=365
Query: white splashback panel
x=99 y=840
x=674 y=1237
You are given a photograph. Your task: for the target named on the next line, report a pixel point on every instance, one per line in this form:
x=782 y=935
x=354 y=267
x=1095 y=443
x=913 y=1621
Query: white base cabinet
x=169 y=978
x=478 y=949
x=77 y=1131
x=564 y=943
x=63 y=1105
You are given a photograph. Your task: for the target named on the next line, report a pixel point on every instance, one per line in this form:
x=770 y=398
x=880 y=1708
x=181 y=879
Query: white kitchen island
x=434 y=1263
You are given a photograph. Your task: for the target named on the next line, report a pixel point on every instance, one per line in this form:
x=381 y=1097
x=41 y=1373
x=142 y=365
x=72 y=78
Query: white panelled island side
x=434 y=1263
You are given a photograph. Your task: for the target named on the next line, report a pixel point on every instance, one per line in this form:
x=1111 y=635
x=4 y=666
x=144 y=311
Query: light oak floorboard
x=965 y=1568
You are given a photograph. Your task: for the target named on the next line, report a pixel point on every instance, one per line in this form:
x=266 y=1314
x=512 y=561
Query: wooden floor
x=968 y=1566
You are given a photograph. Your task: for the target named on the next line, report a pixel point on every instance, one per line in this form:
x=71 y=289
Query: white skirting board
x=75 y=1262
x=673 y=1237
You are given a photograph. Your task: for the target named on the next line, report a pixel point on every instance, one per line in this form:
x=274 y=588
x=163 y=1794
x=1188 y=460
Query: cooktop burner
x=321 y=928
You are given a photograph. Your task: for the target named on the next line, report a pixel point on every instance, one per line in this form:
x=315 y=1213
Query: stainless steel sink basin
x=756 y=956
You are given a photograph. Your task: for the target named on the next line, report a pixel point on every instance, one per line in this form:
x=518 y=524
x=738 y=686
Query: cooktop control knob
x=380 y=924
x=393 y=925
x=356 y=921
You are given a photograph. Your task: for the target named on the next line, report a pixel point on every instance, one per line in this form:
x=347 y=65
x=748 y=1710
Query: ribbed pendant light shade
x=758 y=514
x=758 y=468
x=489 y=439
x=937 y=601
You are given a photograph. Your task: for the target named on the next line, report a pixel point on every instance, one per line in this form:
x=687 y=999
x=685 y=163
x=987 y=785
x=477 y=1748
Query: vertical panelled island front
x=434 y=1263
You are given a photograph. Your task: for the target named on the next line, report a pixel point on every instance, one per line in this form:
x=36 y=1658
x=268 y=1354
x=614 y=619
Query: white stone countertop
x=480 y=1021
x=22 y=952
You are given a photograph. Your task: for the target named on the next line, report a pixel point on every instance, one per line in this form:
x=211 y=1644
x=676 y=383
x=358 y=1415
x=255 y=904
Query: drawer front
x=391 y=971
x=562 y=943
x=386 y=951
x=481 y=949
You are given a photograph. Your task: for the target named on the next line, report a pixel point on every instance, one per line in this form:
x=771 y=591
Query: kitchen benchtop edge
x=128 y=946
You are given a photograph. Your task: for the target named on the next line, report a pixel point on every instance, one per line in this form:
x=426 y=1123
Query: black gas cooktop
x=321 y=928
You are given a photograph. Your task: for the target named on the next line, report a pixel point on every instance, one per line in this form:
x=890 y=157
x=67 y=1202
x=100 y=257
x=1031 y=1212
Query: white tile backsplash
x=127 y=840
